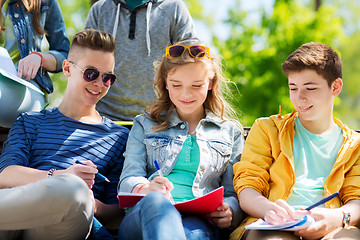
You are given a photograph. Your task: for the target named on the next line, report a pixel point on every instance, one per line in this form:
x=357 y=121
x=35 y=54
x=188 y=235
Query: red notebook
x=205 y=204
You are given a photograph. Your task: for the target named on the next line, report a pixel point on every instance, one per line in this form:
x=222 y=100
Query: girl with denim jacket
x=23 y=24
x=187 y=131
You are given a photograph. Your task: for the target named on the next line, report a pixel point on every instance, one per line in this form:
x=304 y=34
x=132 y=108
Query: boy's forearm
x=15 y=175
x=253 y=203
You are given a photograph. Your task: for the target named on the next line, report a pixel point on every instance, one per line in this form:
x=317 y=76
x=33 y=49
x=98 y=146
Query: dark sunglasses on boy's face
x=196 y=51
x=91 y=74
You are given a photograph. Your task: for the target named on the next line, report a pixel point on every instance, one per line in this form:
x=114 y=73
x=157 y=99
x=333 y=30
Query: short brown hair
x=315 y=56
x=92 y=39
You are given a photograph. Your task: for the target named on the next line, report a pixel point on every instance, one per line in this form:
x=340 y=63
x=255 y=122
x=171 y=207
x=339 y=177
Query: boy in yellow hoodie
x=291 y=161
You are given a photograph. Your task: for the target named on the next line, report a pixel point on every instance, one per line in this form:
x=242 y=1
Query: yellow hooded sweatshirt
x=267 y=164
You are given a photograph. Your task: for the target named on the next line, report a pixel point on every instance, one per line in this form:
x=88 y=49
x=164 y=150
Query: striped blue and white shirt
x=48 y=139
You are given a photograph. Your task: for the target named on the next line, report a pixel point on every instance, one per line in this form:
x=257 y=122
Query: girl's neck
x=192 y=120
x=192 y=128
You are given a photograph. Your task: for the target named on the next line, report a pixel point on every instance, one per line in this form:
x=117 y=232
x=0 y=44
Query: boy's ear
x=337 y=86
x=66 y=68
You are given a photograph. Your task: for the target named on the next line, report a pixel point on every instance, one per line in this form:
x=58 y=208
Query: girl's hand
x=86 y=172
x=326 y=221
x=281 y=212
x=160 y=184
x=29 y=66
x=223 y=216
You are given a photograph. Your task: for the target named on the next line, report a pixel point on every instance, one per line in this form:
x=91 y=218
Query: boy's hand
x=223 y=216
x=281 y=212
x=86 y=172
x=326 y=221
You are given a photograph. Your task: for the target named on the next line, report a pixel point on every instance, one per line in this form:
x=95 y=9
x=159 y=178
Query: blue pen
x=162 y=175
x=100 y=175
x=324 y=200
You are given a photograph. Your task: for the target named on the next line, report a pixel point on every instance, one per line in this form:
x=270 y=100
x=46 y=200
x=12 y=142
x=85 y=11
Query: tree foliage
x=255 y=50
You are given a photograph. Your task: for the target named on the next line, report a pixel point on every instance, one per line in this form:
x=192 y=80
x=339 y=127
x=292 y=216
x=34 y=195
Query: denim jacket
x=220 y=143
x=28 y=40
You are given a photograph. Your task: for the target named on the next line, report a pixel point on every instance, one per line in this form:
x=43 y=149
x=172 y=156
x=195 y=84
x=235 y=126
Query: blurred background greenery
x=254 y=48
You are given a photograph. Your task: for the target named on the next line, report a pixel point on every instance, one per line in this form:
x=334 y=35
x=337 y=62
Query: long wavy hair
x=33 y=6
x=215 y=101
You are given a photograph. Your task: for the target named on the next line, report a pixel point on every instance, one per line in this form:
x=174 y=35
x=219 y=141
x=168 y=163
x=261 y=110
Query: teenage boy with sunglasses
x=44 y=194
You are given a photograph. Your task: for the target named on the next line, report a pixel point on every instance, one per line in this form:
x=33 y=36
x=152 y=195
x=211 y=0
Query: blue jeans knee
x=197 y=227
x=152 y=218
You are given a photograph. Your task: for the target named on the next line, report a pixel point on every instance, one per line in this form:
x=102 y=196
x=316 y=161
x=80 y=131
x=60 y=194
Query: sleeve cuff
x=238 y=214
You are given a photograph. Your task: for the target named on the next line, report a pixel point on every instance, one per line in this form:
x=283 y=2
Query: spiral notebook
x=300 y=223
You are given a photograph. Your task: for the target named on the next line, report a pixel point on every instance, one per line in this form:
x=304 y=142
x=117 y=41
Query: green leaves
x=254 y=53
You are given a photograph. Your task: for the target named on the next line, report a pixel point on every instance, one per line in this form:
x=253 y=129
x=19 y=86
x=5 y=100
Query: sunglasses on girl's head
x=91 y=74
x=196 y=51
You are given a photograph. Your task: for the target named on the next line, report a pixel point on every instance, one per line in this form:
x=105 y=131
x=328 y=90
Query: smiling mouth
x=303 y=109
x=187 y=102
x=93 y=92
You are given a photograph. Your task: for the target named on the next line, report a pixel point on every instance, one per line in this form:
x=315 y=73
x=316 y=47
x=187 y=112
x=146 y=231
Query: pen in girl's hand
x=162 y=175
x=158 y=168
x=99 y=174
x=324 y=200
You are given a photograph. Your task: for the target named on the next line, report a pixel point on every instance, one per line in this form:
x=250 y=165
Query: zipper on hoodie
x=132 y=24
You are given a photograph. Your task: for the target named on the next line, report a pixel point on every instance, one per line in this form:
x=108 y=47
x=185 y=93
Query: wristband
x=42 y=66
x=140 y=187
x=51 y=172
x=346 y=219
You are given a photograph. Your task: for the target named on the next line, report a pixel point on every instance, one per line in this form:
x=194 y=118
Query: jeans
x=99 y=232
x=154 y=217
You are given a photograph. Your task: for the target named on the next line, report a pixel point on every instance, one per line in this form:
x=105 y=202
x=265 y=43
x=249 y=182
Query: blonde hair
x=33 y=6
x=215 y=101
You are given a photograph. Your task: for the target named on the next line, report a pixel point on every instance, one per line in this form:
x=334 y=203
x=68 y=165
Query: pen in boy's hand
x=99 y=174
x=324 y=200
x=162 y=175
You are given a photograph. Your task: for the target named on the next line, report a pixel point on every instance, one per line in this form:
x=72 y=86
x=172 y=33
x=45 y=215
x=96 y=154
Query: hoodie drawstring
x=116 y=20
x=132 y=25
x=148 y=11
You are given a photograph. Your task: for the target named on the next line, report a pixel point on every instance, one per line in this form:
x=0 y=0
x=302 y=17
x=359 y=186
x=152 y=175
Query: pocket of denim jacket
x=157 y=148
x=221 y=155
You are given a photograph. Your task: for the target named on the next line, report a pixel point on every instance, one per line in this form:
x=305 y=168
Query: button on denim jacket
x=28 y=40
x=220 y=144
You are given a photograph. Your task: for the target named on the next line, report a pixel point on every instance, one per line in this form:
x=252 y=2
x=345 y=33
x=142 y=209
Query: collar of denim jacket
x=175 y=120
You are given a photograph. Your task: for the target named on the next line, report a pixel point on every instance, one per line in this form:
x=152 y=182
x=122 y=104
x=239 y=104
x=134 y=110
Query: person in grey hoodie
x=142 y=29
